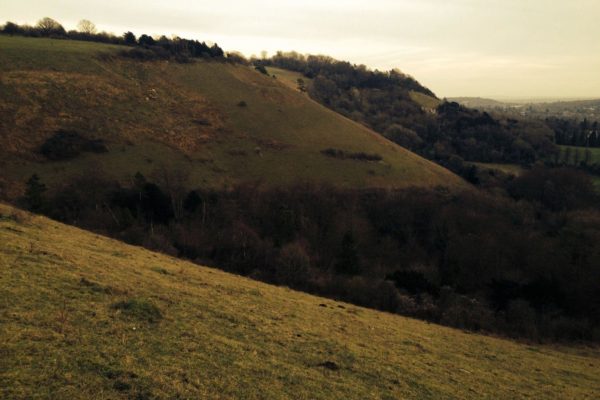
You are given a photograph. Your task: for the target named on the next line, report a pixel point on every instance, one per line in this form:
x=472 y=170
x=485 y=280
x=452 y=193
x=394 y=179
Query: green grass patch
x=572 y=155
x=288 y=78
x=511 y=169
x=425 y=101
x=22 y=53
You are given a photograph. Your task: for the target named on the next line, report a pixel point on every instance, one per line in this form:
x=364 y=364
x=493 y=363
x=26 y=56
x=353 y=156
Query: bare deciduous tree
x=49 y=26
x=86 y=26
x=174 y=181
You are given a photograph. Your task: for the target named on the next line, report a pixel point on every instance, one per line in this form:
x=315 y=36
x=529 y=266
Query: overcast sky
x=488 y=48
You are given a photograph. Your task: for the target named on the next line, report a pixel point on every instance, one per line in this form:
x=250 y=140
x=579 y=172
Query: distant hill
x=219 y=123
x=570 y=109
x=477 y=102
x=85 y=317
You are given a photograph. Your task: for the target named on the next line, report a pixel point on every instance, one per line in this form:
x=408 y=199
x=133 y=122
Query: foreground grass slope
x=82 y=316
x=222 y=124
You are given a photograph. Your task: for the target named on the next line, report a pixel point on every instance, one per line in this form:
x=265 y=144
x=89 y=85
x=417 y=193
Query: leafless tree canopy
x=86 y=26
x=48 y=25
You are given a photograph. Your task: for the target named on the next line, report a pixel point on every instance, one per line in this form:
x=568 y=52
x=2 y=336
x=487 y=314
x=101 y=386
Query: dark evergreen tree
x=348 y=262
x=216 y=51
x=11 y=29
x=129 y=38
x=588 y=157
x=577 y=156
x=192 y=202
x=34 y=194
x=146 y=40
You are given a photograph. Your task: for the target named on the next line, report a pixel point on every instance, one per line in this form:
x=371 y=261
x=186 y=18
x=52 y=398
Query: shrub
x=140 y=309
x=386 y=297
x=294 y=264
x=144 y=54
x=19 y=216
x=365 y=156
x=34 y=194
x=261 y=69
x=413 y=282
x=237 y=58
x=464 y=312
x=335 y=153
x=348 y=262
x=405 y=137
x=160 y=242
x=360 y=156
x=12 y=29
x=521 y=318
x=64 y=145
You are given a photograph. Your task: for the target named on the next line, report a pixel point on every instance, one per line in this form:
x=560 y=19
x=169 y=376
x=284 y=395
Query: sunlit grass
x=424 y=100
x=86 y=317
x=288 y=78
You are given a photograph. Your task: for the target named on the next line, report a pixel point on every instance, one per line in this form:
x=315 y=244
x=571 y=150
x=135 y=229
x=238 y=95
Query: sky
x=504 y=49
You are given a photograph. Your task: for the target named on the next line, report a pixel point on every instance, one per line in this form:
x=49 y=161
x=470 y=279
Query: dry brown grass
x=153 y=114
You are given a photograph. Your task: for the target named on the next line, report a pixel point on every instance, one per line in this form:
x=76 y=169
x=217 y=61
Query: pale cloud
x=455 y=47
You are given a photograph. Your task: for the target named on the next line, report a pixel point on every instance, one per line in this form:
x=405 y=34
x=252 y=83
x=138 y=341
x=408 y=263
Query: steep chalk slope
x=222 y=124
x=85 y=317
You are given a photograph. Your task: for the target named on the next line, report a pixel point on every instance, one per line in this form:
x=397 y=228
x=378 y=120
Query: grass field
x=288 y=78
x=86 y=317
x=221 y=123
x=574 y=155
x=511 y=169
x=517 y=170
x=425 y=101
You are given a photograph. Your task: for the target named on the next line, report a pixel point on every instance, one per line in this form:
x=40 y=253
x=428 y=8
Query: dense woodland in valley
x=523 y=263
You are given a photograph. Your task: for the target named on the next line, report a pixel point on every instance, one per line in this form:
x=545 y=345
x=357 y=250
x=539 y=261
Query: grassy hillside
x=288 y=78
x=510 y=169
x=221 y=123
x=425 y=101
x=477 y=102
x=82 y=316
